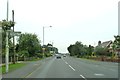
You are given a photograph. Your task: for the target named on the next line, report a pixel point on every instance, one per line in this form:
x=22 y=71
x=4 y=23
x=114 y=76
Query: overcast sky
x=87 y=21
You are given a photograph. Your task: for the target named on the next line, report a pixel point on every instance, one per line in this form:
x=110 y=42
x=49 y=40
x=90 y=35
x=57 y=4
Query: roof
x=105 y=44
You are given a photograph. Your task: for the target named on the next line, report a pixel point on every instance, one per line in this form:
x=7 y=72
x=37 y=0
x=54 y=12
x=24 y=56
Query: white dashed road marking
x=83 y=77
x=99 y=74
x=72 y=68
x=66 y=63
x=69 y=65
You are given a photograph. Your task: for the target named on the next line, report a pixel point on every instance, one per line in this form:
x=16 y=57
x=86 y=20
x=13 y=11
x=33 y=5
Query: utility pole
x=7 y=46
x=7 y=9
x=43 y=43
x=13 y=39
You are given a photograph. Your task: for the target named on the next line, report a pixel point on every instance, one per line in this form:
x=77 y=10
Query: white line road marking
x=69 y=65
x=72 y=68
x=83 y=77
x=99 y=74
x=66 y=62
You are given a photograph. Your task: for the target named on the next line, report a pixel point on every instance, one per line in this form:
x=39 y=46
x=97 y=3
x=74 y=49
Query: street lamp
x=44 y=39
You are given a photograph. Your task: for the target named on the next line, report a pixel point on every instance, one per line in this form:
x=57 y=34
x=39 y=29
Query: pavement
x=66 y=67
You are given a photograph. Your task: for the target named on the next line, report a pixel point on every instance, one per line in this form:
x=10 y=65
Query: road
x=70 y=67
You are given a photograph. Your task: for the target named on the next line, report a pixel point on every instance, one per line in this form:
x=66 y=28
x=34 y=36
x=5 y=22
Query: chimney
x=99 y=43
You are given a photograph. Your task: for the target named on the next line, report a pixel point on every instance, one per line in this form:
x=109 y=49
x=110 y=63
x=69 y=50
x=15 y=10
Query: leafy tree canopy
x=29 y=43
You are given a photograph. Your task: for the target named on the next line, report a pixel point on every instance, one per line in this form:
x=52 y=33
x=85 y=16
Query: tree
x=6 y=25
x=71 y=50
x=79 y=49
x=49 y=44
x=76 y=49
x=29 y=43
x=102 y=51
x=49 y=47
x=116 y=45
x=117 y=41
x=90 y=50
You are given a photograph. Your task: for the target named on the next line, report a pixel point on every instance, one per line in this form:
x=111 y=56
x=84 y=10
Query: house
x=109 y=45
x=105 y=45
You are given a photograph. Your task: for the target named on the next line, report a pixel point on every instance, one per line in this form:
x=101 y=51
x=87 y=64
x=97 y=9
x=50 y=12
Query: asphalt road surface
x=70 y=67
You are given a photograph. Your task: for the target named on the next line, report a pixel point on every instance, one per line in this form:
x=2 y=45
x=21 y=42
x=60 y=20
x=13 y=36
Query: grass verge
x=89 y=59
x=11 y=67
x=36 y=59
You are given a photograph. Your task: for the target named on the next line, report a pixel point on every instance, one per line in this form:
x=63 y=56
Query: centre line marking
x=66 y=62
x=83 y=77
x=28 y=75
x=72 y=68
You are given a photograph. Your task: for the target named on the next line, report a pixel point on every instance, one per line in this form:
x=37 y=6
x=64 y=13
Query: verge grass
x=11 y=67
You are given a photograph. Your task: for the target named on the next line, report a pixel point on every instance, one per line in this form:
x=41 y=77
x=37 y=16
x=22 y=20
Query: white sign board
x=15 y=33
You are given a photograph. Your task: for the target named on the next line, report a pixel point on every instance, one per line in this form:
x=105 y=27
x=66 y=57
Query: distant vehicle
x=64 y=55
x=58 y=56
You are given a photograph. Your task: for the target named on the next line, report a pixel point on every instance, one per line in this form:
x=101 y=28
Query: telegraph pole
x=7 y=9
x=43 y=43
x=13 y=39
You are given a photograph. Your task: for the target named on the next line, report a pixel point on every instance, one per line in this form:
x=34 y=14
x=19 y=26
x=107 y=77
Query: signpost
x=17 y=33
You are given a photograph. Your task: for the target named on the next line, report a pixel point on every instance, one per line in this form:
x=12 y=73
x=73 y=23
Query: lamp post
x=44 y=39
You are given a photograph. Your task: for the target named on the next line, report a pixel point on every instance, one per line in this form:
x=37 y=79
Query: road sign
x=15 y=33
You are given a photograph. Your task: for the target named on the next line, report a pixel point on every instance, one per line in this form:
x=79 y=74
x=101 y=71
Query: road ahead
x=66 y=67
x=69 y=67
